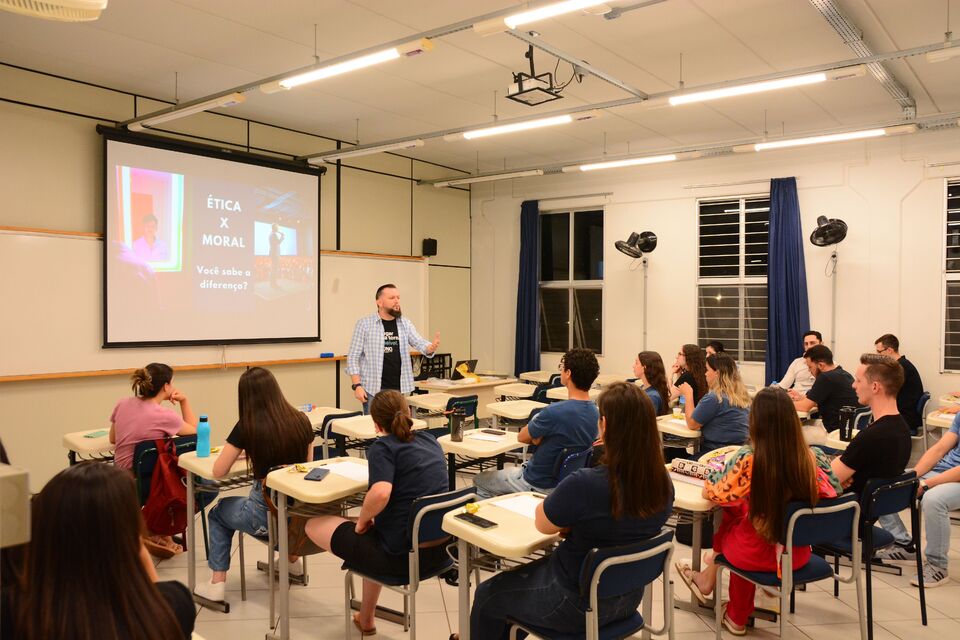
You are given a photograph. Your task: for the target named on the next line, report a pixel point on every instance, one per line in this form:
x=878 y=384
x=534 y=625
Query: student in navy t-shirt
x=547 y=592
x=649 y=369
x=403 y=465
x=722 y=415
x=563 y=425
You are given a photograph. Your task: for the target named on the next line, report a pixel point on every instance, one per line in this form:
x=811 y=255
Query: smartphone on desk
x=317 y=474
x=476 y=520
x=96 y=434
x=493 y=432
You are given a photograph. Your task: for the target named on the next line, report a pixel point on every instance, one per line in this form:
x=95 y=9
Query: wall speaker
x=429 y=247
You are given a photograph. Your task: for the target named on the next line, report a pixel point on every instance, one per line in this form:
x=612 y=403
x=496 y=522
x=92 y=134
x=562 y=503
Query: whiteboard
x=51 y=289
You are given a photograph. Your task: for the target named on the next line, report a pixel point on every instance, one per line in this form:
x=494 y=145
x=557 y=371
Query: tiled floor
x=317 y=609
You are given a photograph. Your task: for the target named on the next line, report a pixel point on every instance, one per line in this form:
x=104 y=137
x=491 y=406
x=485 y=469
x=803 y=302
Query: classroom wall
x=51 y=160
x=890 y=265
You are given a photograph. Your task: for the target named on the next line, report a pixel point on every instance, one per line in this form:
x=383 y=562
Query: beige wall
x=52 y=166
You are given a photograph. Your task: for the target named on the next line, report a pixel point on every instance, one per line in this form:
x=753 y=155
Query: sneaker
x=933 y=576
x=215 y=591
x=295 y=568
x=896 y=553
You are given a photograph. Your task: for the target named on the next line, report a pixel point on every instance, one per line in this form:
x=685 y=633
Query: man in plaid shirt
x=379 y=356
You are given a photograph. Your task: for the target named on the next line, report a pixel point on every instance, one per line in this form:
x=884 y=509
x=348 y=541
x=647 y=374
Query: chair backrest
x=467 y=403
x=145 y=459
x=861 y=419
x=922 y=404
x=831 y=520
x=555 y=380
x=426 y=514
x=325 y=424
x=571 y=459
x=883 y=496
x=619 y=570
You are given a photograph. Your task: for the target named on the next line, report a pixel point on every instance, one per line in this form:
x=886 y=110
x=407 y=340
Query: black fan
x=637 y=244
x=828 y=232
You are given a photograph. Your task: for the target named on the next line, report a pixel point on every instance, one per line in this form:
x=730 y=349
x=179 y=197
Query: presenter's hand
x=360 y=394
x=436 y=343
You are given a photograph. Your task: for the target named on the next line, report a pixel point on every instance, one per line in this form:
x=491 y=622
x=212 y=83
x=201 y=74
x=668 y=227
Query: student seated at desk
x=649 y=369
x=87 y=573
x=832 y=387
x=562 y=425
x=626 y=499
x=722 y=414
x=882 y=449
x=141 y=418
x=754 y=488
x=272 y=433
x=690 y=368
x=403 y=465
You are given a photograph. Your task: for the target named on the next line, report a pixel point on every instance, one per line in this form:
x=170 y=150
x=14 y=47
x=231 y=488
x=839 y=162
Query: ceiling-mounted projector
x=637 y=244
x=532 y=89
x=60 y=10
x=828 y=232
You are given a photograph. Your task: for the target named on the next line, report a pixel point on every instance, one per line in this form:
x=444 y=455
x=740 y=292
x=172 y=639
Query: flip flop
x=158 y=550
x=685 y=571
x=363 y=632
x=729 y=625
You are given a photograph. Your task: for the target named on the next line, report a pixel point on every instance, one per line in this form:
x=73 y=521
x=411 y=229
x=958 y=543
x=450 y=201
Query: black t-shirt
x=881 y=450
x=910 y=394
x=830 y=391
x=390 y=377
x=262 y=465
x=687 y=377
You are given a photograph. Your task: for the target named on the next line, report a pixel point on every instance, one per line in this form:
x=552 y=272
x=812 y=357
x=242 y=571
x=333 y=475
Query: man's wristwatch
x=923 y=483
x=354 y=386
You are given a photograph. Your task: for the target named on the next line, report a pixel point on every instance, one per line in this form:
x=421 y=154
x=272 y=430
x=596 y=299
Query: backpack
x=165 y=511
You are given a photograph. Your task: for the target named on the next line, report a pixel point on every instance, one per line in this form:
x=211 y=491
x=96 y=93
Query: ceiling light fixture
x=496 y=25
x=632 y=162
x=833 y=137
x=768 y=85
x=489 y=178
x=366 y=151
x=410 y=49
x=224 y=101
x=523 y=125
x=950 y=50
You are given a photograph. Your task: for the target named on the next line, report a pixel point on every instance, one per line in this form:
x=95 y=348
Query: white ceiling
x=138 y=45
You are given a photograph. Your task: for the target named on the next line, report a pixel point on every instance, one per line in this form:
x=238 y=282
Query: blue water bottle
x=203 y=438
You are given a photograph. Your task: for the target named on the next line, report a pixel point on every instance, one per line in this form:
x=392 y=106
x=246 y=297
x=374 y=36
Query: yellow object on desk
x=471 y=507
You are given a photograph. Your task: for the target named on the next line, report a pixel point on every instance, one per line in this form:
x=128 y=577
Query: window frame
x=947 y=276
x=571 y=285
x=741 y=281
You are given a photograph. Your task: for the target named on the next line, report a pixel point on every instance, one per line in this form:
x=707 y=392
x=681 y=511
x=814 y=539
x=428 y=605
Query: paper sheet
x=487 y=437
x=688 y=479
x=526 y=506
x=350 y=470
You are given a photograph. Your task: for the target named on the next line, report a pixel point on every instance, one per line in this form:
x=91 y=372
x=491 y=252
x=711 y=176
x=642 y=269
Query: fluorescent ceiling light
x=632 y=162
x=833 y=137
x=368 y=151
x=347 y=66
x=950 y=50
x=490 y=178
x=745 y=89
x=496 y=25
x=521 y=126
x=223 y=101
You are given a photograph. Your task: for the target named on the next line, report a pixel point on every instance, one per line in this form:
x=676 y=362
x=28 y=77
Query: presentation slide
x=206 y=250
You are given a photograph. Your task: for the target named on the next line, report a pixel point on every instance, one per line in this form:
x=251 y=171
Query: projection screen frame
x=110 y=134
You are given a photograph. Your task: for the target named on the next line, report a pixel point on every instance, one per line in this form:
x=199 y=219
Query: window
x=571 y=281
x=951 y=285
x=732 y=275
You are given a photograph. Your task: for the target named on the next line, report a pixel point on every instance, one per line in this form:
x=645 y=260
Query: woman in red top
x=754 y=488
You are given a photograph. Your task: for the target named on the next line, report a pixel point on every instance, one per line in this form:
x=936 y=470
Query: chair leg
x=717 y=606
x=306 y=576
x=203 y=527
x=793 y=600
x=406 y=613
x=347 y=598
x=836 y=572
x=271 y=541
x=869 y=558
x=413 y=615
x=243 y=569
x=646 y=605
x=923 y=597
x=858 y=583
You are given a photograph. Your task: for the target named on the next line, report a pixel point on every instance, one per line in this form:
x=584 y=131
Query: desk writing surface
x=203 y=467
x=834 y=442
x=319 y=413
x=514 y=409
x=675 y=427
x=457 y=388
x=948 y=399
x=479 y=448
x=604 y=380
x=76 y=441
x=689 y=497
x=561 y=393
x=515 y=536
x=537 y=377
x=940 y=419
x=362 y=427
x=803 y=415
x=332 y=488
x=432 y=402
x=515 y=390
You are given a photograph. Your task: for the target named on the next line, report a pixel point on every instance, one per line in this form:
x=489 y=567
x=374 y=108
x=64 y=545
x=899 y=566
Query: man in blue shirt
x=562 y=425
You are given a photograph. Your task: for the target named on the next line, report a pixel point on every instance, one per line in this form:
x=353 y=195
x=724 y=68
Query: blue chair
x=571 y=459
x=426 y=517
x=614 y=571
x=922 y=410
x=829 y=521
x=881 y=497
x=324 y=433
x=861 y=419
x=540 y=393
x=467 y=403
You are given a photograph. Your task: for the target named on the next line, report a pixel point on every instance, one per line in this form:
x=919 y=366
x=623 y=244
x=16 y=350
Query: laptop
x=471 y=367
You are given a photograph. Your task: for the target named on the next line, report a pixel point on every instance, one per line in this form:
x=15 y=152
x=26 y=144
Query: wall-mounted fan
x=830 y=231
x=637 y=244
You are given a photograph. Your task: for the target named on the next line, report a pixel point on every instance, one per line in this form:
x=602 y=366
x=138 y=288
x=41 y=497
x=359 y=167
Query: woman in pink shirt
x=142 y=417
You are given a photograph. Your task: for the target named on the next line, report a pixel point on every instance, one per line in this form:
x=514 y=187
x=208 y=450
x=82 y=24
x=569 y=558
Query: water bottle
x=203 y=438
x=846 y=423
x=457 y=418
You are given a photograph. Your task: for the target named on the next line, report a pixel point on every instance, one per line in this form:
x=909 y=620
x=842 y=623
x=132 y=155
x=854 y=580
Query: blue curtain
x=527 y=350
x=788 y=316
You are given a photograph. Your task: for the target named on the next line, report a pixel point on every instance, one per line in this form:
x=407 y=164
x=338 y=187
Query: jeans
x=498 y=482
x=533 y=593
x=248 y=515
x=937 y=504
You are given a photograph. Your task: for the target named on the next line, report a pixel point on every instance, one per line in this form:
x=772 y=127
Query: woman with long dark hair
x=754 y=488
x=627 y=498
x=690 y=367
x=87 y=574
x=648 y=367
x=271 y=432
x=403 y=465
x=721 y=415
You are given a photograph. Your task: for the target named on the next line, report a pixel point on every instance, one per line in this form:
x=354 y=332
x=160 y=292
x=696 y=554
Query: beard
x=396 y=313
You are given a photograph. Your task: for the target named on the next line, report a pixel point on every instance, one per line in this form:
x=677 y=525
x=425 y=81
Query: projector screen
x=202 y=249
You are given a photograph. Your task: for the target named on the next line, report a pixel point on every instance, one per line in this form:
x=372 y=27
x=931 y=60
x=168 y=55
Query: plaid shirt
x=365 y=358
